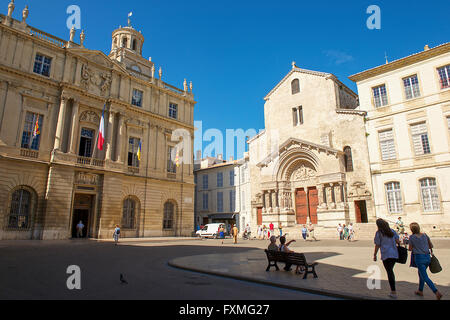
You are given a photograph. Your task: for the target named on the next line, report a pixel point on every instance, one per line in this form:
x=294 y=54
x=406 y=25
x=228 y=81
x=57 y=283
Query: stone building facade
x=52 y=175
x=408 y=126
x=311 y=162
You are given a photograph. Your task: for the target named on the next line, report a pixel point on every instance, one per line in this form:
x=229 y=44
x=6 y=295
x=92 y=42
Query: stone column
x=73 y=127
x=119 y=140
x=60 y=125
x=270 y=199
x=264 y=200
x=320 y=195
x=110 y=134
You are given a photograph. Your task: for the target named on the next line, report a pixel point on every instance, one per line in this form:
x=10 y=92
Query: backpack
x=118 y=231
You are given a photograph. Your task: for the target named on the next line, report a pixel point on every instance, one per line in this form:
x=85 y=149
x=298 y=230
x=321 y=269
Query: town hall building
x=53 y=94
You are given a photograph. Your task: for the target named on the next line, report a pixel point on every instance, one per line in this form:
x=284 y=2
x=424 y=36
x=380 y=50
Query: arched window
x=20 y=211
x=124 y=42
x=348 y=158
x=169 y=211
x=430 y=196
x=295 y=85
x=129 y=214
x=134 y=45
x=394 y=197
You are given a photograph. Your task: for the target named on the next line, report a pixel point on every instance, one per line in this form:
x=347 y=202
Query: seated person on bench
x=284 y=248
x=273 y=244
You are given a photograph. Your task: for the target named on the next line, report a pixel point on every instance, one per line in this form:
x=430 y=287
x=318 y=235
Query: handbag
x=435 y=266
x=402 y=255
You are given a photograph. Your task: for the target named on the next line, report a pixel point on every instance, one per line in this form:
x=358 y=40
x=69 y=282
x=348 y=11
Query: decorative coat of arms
x=101 y=80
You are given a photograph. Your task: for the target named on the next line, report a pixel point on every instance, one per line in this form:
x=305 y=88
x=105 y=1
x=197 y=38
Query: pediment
x=98 y=58
x=296 y=144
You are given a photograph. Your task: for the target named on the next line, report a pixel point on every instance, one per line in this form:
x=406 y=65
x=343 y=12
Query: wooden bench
x=295 y=259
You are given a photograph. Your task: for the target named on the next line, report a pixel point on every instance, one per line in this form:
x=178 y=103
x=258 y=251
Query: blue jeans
x=423 y=262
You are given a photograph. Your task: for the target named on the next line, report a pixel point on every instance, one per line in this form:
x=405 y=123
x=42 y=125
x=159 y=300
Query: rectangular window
x=42 y=65
x=31 y=136
x=133 y=147
x=205 y=182
x=420 y=139
x=380 y=96
x=86 y=142
x=387 y=145
x=171 y=165
x=173 y=111
x=232 y=178
x=300 y=115
x=295 y=116
x=219 y=201
x=137 y=98
x=394 y=197
x=444 y=75
x=430 y=196
x=232 y=201
x=220 y=180
x=412 y=89
x=205 y=201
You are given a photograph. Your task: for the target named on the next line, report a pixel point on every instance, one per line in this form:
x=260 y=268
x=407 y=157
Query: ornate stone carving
x=99 y=79
x=86 y=178
x=358 y=189
x=303 y=173
x=90 y=116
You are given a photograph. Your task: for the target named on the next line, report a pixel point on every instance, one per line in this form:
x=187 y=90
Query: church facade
x=53 y=96
x=311 y=164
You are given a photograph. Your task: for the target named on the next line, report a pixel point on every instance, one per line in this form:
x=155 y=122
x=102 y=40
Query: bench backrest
x=276 y=256
x=296 y=258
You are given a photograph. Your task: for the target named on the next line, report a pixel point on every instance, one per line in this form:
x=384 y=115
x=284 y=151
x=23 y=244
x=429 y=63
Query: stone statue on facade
x=72 y=34
x=190 y=86
x=185 y=86
x=25 y=14
x=82 y=38
x=11 y=8
x=160 y=73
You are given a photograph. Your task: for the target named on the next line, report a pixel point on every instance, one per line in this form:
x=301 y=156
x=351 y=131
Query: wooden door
x=301 y=202
x=260 y=217
x=358 y=212
x=313 y=197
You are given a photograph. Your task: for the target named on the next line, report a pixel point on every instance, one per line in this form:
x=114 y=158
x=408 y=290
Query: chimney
x=426 y=48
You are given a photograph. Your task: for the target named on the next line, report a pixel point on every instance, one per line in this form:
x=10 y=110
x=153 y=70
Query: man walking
x=311 y=232
x=80 y=228
x=340 y=231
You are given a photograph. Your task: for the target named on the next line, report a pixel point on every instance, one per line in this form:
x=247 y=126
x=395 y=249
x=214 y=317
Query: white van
x=210 y=231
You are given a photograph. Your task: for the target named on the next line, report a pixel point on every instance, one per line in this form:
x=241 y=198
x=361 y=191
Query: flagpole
x=98 y=135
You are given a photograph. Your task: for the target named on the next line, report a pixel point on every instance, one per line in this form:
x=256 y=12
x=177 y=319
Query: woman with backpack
x=116 y=234
x=422 y=250
x=387 y=240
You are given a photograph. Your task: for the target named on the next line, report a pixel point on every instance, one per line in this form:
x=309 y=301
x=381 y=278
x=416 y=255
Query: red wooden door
x=313 y=196
x=301 y=202
x=260 y=218
x=358 y=212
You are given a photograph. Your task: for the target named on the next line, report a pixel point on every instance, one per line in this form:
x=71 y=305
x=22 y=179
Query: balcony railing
x=28 y=153
x=133 y=170
x=90 y=162
x=47 y=37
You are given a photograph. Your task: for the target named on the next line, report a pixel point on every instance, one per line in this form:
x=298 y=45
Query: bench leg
x=314 y=273
x=271 y=266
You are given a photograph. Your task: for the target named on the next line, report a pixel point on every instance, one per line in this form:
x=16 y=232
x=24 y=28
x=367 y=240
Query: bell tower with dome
x=127 y=44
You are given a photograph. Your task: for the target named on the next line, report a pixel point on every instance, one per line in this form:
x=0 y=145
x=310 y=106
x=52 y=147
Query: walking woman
x=421 y=247
x=387 y=240
x=116 y=234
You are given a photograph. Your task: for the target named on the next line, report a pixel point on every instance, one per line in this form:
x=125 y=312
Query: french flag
x=101 y=131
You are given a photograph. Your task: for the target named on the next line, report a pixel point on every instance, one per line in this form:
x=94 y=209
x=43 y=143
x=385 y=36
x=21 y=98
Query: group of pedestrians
x=346 y=232
x=266 y=233
x=308 y=232
x=387 y=241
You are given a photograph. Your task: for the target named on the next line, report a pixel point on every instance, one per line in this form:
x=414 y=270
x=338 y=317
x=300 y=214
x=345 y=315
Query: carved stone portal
x=303 y=173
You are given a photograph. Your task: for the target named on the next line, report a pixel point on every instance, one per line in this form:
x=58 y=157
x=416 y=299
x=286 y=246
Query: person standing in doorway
x=387 y=240
x=422 y=250
x=235 y=234
x=116 y=234
x=80 y=228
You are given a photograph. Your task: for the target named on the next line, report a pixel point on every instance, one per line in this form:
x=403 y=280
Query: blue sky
x=235 y=52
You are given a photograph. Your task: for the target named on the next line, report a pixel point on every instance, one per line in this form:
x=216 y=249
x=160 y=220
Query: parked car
x=210 y=231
